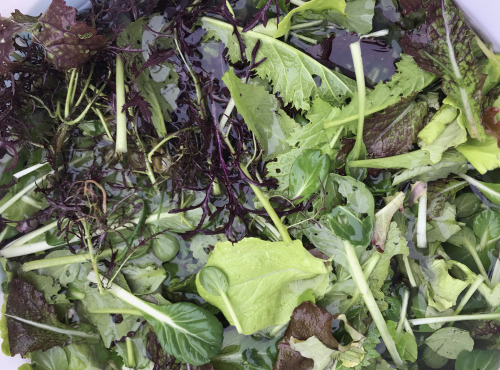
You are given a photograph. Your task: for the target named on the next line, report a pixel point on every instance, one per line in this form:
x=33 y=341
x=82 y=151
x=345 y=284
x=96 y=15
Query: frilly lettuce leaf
x=267 y=280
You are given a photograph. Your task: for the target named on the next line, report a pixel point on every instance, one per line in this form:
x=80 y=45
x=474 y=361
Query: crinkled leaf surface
x=395 y=130
x=69 y=44
x=292 y=73
x=442 y=46
x=314 y=5
x=267 y=280
x=262 y=114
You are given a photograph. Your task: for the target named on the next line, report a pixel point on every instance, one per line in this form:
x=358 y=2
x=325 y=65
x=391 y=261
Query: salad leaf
x=261 y=112
x=8 y=29
x=144 y=279
x=449 y=342
x=307 y=174
x=68 y=43
x=291 y=71
x=487 y=228
x=484 y=156
x=477 y=359
x=490 y=191
x=52 y=359
x=405 y=342
x=441 y=46
x=264 y=283
x=315 y=5
x=32 y=324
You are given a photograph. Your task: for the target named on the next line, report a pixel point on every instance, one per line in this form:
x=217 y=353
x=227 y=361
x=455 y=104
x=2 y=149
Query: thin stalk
x=28 y=170
x=225 y=115
x=231 y=311
x=475 y=256
x=130 y=352
x=69 y=93
x=360 y=82
x=442 y=319
x=310 y=40
x=69 y=333
x=369 y=267
x=166 y=139
x=32 y=248
x=26 y=238
x=112 y=311
x=92 y=256
x=422 y=220
x=103 y=121
x=149 y=169
x=301 y=26
x=64 y=260
x=472 y=289
x=358 y=276
x=28 y=188
x=121 y=116
x=409 y=273
x=297 y=2
x=404 y=309
x=85 y=87
x=495 y=275
x=408 y=327
x=336 y=137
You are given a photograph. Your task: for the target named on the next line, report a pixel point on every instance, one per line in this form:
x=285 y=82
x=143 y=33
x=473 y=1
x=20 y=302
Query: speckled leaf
x=442 y=46
x=8 y=29
x=68 y=43
x=296 y=76
x=395 y=130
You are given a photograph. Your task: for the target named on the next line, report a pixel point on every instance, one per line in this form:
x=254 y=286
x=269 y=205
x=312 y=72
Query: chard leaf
x=307 y=174
x=409 y=79
x=395 y=130
x=291 y=72
x=262 y=114
x=68 y=43
x=315 y=5
x=442 y=46
x=478 y=359
x=449 y=342
x=267 y=280
x=32 y=324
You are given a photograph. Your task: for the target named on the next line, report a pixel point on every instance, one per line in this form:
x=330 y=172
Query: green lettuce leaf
x=291 y=72
x=442 y=46
x=262 y=114
x=267 y=280
x=483 y=155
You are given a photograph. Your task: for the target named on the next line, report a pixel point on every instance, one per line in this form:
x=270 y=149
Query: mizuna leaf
x=267 y=280
x=294 y=75
x=262 y=114
x=69 y=44
x=314 y=5
x=442 y=46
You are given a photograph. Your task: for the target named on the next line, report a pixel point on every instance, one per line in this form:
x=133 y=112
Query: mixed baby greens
x=249 y=185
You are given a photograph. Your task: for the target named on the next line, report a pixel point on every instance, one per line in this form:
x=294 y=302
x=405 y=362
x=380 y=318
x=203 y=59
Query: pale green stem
x=114 y=311
x=404 y=309
x=121 y=116
x=103 y=121
x=92 y=256
x=225 y=115
x=408 y=327
x=28 y=170
x=409 y=273
x=69 y=93
x=85 y=87
x=442 y=319
x=360 y=82
x=231 y=312
x=310 y=40
x=130 y=352
x=69 y=333
x=358 y=276
x=475 y=256
x=369 y=267
x=495 y=275
x=336 y=137
x=298 y=2
x=472 y=289
x=301 y=26
x=64 y=260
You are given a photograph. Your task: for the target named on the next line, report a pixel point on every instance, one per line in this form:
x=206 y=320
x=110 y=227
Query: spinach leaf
x=267 y=280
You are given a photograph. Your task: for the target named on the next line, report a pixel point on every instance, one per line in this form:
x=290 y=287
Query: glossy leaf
x=291 y=72
x=267 y=280
x=307 y=174
x=262 y=114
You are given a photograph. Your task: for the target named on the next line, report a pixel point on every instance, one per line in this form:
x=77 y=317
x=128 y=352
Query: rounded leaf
x=166 y=246
x=214 y=280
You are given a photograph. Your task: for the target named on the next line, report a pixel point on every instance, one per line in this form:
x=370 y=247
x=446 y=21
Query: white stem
x=409 y=273
x=225 y=115
x=440 y=319
x=70 y=333
x=404 y=308
x=422 y=221
x=28 y=170
x=472 y=289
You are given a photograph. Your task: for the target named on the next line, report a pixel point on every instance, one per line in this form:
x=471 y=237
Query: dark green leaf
x=478 y=360
x=214 y=280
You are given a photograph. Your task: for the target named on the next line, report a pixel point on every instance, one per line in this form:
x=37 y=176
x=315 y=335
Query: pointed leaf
x=307 y=174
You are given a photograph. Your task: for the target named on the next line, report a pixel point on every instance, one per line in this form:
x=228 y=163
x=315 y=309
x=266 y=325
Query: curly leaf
x=293 y=74
x=69 y=44
x=442 y=46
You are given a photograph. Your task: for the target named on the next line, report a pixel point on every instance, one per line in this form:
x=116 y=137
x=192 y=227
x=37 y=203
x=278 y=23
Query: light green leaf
x=52 y=359
x=449 y=342
x=487 y=228
x=451 y=136
x=483 y=155
x=314 y=349
x=262 y=114
x=490 y=191
x=383 y=220
x=405 y=343
x=307 y=174
x=441 y=228
x=87 y=357
x=409 y=79
x=445 y=115
x=291 y=72
x=144 y=279
x=267 y=280
x=315 y=5
x=478 y=359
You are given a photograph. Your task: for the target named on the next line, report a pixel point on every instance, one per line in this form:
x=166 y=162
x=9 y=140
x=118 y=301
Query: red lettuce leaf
x=491 y=126
x=68 y=43
x=443 y=46
x=8 y=29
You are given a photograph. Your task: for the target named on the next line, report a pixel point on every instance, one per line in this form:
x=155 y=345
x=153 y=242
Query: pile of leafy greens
x=249 y=185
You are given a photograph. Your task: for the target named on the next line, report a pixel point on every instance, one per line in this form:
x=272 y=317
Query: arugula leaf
x=267 y=280
x=69 y=44
x=442 y=46
x=262 y=114
x=315 y=5
x=291 y=72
